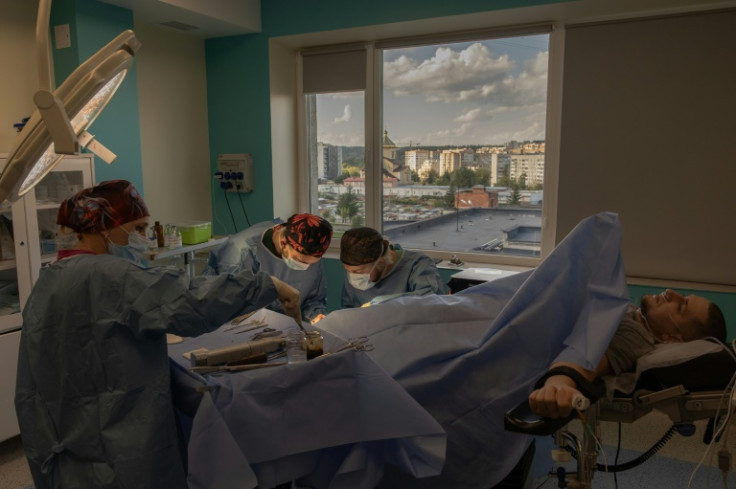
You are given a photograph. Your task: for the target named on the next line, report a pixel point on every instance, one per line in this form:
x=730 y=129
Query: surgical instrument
x=360 y=344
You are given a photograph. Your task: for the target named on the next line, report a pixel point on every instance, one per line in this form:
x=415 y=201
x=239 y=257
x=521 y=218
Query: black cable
x=615 y=460
x=241 y=205
x=230 y=209
x=638 y=460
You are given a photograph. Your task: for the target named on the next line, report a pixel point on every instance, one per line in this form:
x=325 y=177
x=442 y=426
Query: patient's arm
x=555 y=398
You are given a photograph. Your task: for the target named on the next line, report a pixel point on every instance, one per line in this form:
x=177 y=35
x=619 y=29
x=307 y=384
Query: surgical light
x=59 y=126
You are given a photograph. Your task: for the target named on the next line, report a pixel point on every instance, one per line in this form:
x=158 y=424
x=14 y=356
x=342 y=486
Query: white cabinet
x=27 y=231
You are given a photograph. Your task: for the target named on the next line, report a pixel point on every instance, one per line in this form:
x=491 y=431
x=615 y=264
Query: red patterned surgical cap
x=102 y=207
x=308 y=234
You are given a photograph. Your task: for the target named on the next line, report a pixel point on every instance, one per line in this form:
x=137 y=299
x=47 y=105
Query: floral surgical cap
x=102 y=207
x=308 y=234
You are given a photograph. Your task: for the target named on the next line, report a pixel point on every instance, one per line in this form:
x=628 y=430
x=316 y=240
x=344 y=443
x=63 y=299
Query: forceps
x=360 y=344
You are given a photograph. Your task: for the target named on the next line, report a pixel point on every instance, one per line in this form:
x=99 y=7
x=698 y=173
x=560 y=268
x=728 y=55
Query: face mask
x=294 y=264
x=133 y=251
x=361 y=281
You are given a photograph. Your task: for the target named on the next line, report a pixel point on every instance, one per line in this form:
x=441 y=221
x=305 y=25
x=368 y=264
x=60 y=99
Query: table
x=187 y=251
x=332 y=422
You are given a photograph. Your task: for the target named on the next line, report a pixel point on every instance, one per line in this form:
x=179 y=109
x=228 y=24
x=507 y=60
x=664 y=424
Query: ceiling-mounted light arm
x=53 y=114
x=43 y=54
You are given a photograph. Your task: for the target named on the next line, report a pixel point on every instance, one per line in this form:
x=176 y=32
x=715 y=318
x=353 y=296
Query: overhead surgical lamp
x=59 y=126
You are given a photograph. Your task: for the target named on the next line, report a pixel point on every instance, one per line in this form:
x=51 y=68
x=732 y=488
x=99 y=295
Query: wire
x=240 y=198
x=618 y=452
x=717 y=433
x=597 y=442
x=224 y=191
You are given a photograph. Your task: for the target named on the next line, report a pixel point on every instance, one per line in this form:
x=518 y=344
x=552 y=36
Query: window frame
x=373 y=124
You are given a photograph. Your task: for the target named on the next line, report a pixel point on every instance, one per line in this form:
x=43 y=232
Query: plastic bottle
x=159 y=230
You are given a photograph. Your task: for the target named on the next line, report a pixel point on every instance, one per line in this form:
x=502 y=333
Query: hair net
x=102 y=207
x=308 y=234
x=359 y=246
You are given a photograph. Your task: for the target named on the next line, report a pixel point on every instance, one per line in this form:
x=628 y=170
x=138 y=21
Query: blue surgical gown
x=413 y=274
x=92 y=394
x=468 y=358
x=245 y=250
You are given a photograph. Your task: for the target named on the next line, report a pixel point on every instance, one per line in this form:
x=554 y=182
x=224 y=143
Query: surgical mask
x=133 y=251
x=361 y=281
x=292 y=263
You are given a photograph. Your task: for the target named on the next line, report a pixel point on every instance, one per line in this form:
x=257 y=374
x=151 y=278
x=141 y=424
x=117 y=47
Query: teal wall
x=92 y=25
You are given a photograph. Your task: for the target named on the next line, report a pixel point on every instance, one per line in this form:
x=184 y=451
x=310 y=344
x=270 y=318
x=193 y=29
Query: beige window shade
x=648 y=125
x=341 y=71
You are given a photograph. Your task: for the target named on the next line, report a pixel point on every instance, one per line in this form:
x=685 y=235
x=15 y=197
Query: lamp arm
x=43 y=56
x=57 y=121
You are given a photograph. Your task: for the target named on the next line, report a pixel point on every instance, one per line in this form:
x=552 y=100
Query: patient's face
x=671 y=316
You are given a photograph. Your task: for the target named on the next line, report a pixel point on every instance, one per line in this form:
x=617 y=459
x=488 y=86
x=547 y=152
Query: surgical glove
x=317 y=318
x=290 y=299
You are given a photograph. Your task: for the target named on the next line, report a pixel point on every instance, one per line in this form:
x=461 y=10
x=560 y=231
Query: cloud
x=347 y=114
x=471 y=74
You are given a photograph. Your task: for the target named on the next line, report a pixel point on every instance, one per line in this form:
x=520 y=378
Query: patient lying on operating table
x=668 y=317
x=469 y=358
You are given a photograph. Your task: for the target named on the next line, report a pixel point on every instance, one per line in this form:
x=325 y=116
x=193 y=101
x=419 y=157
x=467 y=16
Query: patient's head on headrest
x=673 y=317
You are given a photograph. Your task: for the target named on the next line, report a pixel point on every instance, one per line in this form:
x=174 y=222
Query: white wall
x=172 y=95
x=19 y=78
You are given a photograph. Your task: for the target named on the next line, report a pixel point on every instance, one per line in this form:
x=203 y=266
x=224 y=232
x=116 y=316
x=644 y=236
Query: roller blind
x=648 y=125
x=333 y=71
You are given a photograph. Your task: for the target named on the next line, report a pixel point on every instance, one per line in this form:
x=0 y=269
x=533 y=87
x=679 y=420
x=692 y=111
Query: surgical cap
x=359 y=246
x=102 y=207
x=308 y=234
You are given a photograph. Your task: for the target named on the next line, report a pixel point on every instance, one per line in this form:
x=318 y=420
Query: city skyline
x=472 y=93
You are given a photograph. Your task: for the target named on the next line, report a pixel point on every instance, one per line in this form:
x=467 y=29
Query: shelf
x=7 y=264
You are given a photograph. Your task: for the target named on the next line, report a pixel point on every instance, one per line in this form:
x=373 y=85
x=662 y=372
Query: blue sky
x=481 y=92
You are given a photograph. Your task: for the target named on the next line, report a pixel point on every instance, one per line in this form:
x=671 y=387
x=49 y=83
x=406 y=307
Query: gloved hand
x=290 y=299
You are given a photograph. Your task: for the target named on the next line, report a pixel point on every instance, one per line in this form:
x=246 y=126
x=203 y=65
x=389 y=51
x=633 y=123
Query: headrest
x=698 y=365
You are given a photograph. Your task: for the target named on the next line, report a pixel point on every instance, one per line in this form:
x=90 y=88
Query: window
x=451 y=156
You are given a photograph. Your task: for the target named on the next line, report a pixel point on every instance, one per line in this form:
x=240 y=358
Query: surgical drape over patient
x=470 y=357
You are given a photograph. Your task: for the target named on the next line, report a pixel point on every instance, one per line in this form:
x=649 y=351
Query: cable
x=224 y=191
x=618 y=452
x=240 y=198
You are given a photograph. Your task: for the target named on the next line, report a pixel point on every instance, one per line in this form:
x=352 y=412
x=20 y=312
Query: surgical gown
x=245 y=250
x=413 y=274
x=468 y=358
x=92 y=395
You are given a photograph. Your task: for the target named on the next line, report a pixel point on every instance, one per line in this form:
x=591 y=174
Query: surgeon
x=290 y=250
x=92 y=393
x=376 y=270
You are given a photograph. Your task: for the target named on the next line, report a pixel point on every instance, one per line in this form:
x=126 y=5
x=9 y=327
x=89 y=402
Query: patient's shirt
x=631 y=341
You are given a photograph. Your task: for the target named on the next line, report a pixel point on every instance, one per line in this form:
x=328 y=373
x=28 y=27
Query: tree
x=515 y=197
x=432 y=177
x=449 y=200
x=357 y=221
x=347 y=205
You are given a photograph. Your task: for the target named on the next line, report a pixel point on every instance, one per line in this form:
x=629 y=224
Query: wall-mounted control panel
x=235 y=172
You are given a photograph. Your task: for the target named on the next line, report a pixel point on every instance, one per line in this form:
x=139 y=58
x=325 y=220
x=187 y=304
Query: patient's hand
x=556 y=398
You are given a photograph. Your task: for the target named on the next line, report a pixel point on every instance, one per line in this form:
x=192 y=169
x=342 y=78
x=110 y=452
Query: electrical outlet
x=236 y=169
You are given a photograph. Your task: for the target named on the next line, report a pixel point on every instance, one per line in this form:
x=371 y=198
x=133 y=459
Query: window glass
x=464 y=145
x=336 y=155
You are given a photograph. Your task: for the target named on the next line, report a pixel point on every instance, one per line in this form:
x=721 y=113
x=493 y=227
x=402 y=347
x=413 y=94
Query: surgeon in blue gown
x=92 y=395
x=377 y=271
x=290 y=250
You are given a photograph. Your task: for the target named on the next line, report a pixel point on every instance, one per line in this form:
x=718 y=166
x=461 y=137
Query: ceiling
x=213 y=18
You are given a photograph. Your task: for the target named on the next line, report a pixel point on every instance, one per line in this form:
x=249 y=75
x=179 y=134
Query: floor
x=14 y=473
x=674 y=466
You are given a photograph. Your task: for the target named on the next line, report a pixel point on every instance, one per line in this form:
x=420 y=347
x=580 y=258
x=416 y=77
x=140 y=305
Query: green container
x=195 y=232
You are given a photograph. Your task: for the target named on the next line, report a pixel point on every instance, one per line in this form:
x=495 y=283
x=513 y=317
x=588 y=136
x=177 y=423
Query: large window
x=442 y=148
